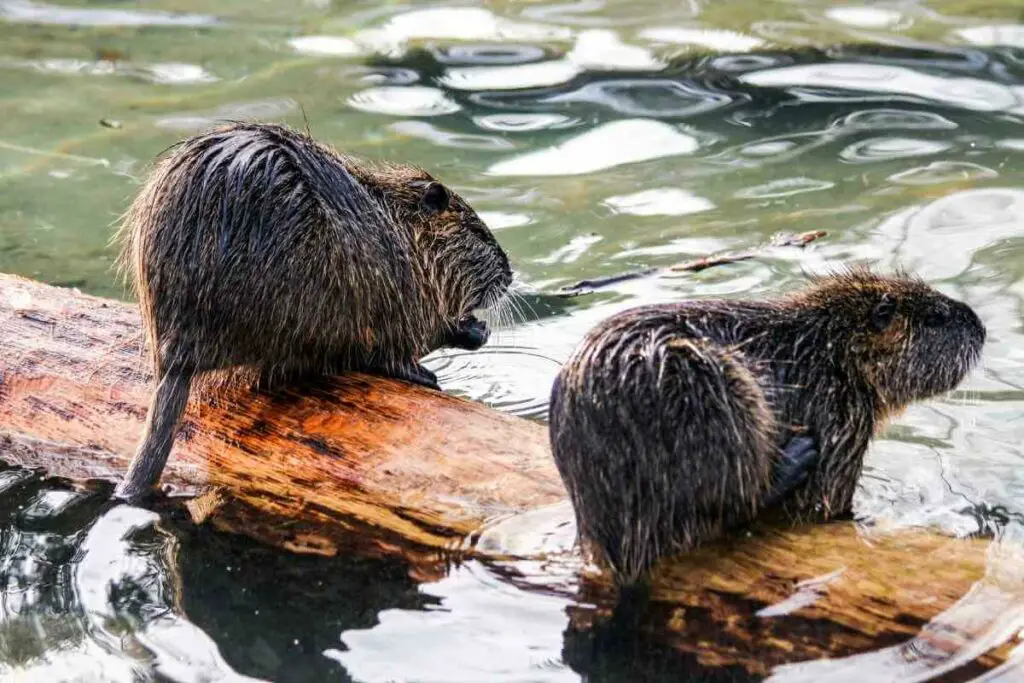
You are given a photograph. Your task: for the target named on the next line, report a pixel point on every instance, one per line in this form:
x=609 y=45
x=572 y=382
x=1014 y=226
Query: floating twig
x=800 y=240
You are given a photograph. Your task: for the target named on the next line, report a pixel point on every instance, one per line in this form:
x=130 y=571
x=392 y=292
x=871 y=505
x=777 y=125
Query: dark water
x=595 y=138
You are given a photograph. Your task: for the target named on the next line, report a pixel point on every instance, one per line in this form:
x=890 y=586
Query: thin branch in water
x=780 y=240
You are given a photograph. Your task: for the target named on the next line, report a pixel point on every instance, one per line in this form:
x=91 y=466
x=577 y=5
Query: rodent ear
x=436 y=198
x=883 y=314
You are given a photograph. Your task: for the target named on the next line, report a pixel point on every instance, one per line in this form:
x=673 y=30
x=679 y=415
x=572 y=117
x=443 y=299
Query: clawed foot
x=470 y=334
x=798 y=458
x=417 y=374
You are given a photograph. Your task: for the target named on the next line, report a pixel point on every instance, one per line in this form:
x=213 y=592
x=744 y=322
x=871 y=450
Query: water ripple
x=886 y=148
x=1010 y=35
x=710 y=39
x=170 y=73
x=413 y=100
x=25 y=11
x=522 y=123
x=666 y=201
x=444 y=138
x=882 y=119
x=784 y=187
x=649 y=98
x=598 y=149
x=866 y=17
x=513 y=379
x=965 y=223
x=875 y=79
x=940 y=172
x=337 y=46
x=454 y=23
x=535 y=75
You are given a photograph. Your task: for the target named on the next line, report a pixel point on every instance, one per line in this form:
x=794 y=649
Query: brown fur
x=259 y=254
x=668 y=421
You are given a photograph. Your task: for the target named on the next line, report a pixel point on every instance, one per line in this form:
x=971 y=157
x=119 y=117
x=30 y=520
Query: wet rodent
x=673 y=423
x=259 y=254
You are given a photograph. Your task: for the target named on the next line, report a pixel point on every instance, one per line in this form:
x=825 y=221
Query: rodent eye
x=883 y=314
x=436 y=198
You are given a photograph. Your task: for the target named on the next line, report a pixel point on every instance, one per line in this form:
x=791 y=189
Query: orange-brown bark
x=374 y=465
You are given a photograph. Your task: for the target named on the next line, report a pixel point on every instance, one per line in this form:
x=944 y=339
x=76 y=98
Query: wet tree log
x=406 y=462
x=373 y=465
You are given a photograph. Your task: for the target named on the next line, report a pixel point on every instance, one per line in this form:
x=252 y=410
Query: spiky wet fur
x=667 y=420
x=258 y=254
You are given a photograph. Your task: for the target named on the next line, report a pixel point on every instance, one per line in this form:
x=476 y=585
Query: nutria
x=673 y=423
x=258 y=254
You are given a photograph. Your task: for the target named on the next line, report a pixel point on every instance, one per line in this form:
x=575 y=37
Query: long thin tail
x=165 y=412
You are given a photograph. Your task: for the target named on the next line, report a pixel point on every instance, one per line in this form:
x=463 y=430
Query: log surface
x=423 y=465
x=376 y=465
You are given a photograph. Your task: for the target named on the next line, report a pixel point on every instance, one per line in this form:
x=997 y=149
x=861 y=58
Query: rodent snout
x=968 y=318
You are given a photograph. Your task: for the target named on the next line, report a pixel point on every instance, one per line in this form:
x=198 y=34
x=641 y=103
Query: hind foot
x=798 y=458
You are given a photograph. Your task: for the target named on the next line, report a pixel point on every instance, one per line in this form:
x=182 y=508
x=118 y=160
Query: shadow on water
x=95 y=591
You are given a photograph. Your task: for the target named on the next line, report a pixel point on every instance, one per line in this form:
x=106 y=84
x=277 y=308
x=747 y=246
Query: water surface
x=595 y=137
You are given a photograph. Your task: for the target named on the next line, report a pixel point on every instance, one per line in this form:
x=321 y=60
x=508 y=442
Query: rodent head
x=463 y=264
x=908 y=341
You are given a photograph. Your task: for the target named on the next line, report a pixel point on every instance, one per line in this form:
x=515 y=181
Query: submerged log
x=368 y=464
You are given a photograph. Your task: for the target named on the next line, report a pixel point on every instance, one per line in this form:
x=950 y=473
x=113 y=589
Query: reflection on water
x=594 y=137
x=25 y=11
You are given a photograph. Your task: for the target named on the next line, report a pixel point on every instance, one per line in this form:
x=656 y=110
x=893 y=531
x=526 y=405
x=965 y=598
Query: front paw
x=417 y=374
x=469 y=334
x=797 y=460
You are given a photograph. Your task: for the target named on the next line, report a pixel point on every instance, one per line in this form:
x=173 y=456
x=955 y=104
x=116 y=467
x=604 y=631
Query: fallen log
x=367 y=464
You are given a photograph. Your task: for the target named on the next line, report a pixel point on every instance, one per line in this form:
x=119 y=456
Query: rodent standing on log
x=672 y=423
x=258 y=254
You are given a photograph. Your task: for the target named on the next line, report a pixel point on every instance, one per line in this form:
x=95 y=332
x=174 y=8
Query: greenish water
x=595 y=137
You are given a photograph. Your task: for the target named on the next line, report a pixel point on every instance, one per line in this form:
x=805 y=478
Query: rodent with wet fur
x=259 y=255
x=673 y=423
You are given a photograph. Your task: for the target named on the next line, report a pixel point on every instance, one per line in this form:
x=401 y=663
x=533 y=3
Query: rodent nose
x=967 y=317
